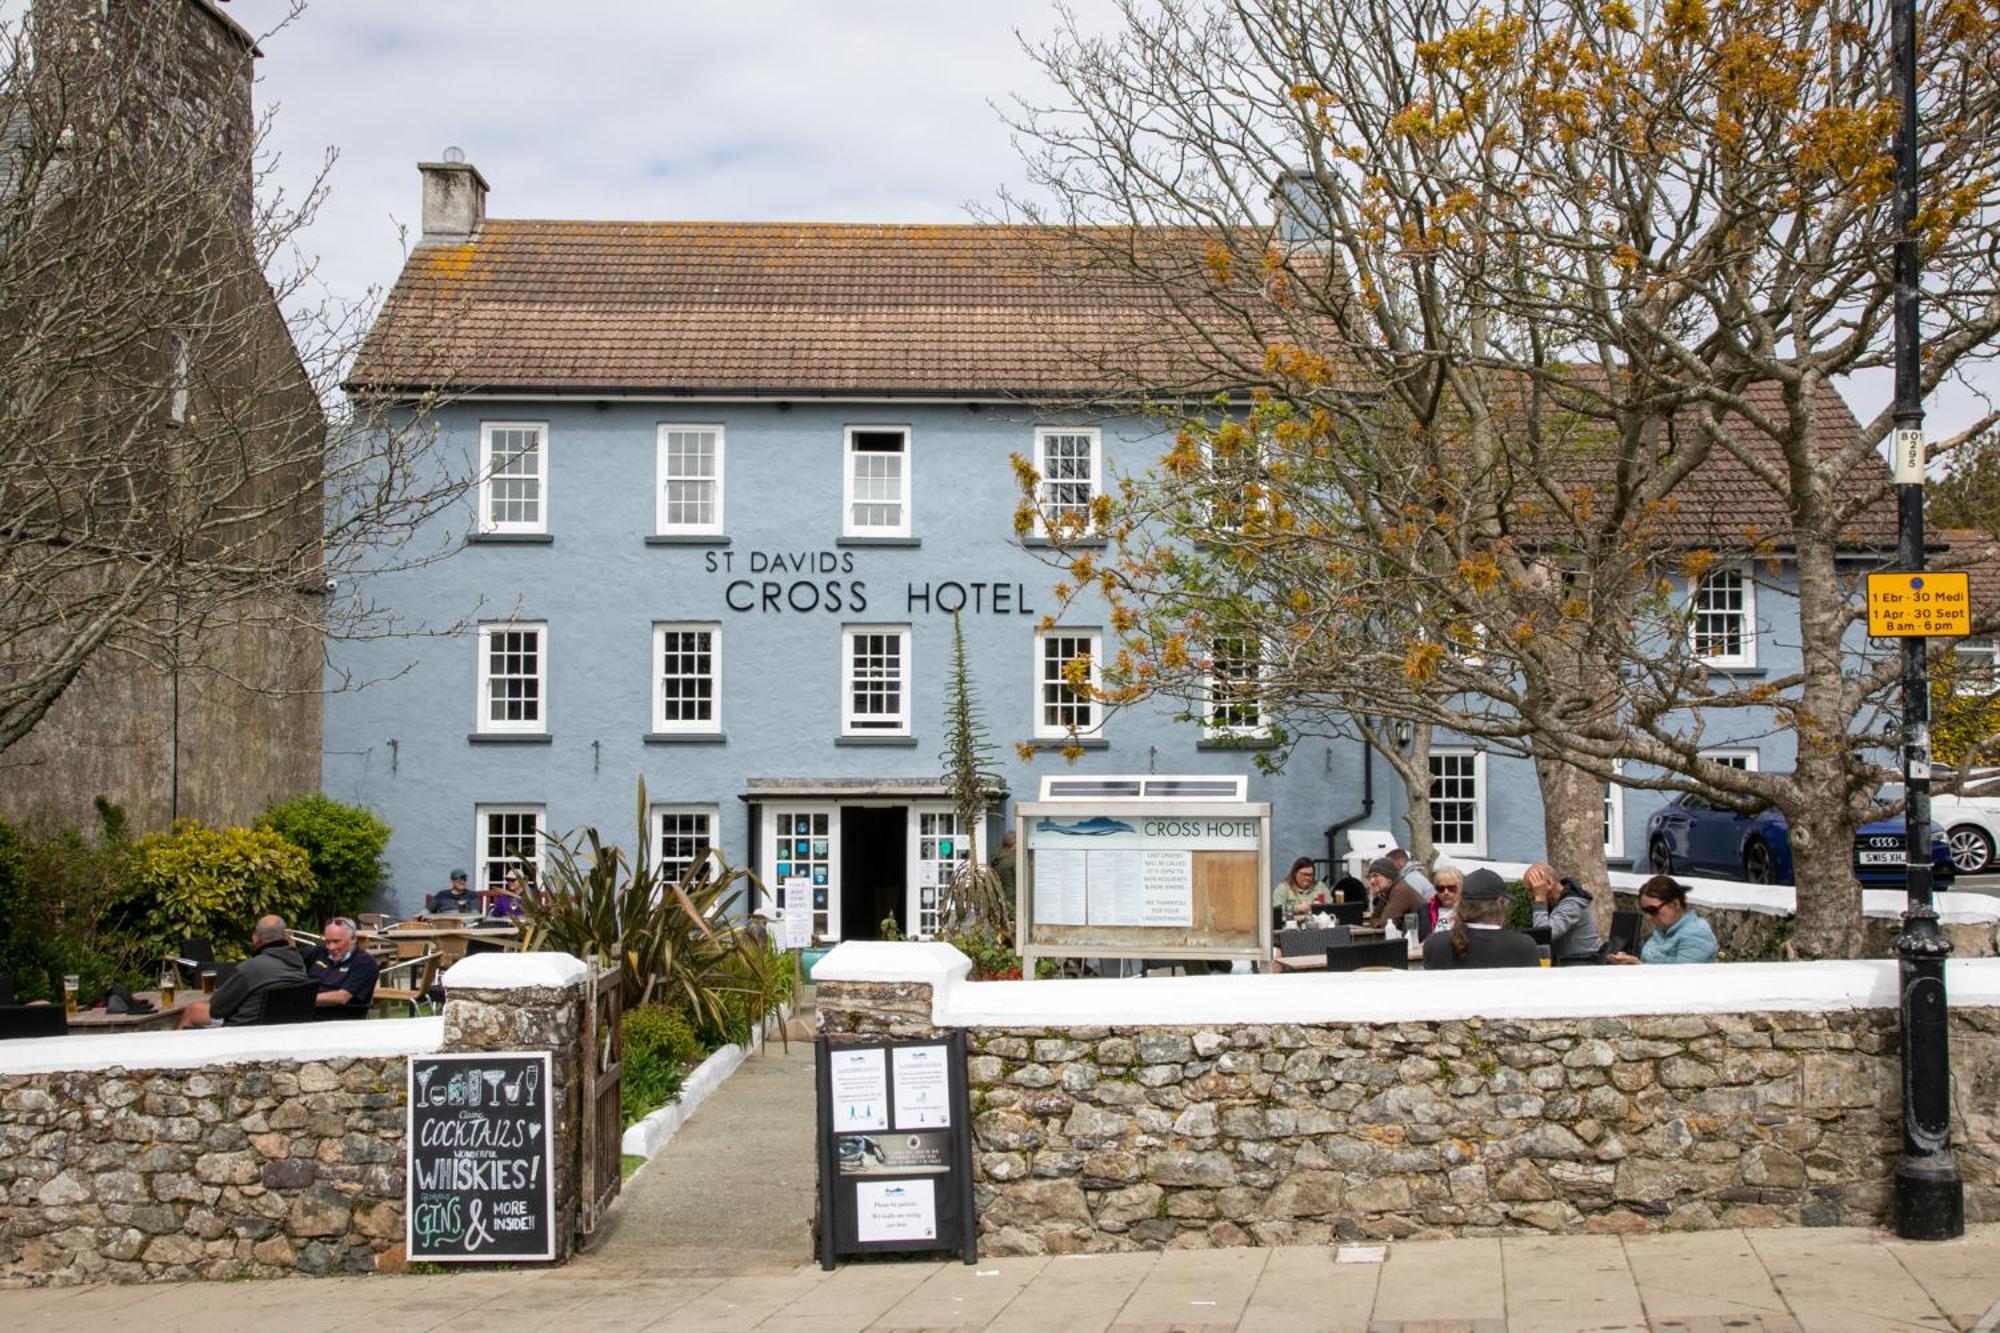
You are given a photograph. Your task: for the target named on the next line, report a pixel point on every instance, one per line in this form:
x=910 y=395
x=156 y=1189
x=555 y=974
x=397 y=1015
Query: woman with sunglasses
x=1678 y=935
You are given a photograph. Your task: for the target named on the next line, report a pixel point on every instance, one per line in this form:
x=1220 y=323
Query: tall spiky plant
x=974 y=896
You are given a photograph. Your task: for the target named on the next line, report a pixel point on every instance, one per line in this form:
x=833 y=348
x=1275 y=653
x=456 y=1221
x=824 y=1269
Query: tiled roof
x=769 y=308
x=1976 y=552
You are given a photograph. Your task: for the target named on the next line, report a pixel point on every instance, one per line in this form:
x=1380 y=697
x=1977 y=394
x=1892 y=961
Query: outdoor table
x=414 y=941
x=103 y=1020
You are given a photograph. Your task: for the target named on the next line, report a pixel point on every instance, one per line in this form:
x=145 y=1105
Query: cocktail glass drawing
x=424 y=1077
x=493 y=1077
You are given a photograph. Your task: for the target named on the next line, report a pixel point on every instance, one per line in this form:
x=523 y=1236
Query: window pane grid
x=1064 y=707
x=942 y=847
x=1720 y=611
x=801 y=849
x=1454 y=800
x=687 y=676
x=685 y=837
x=691 y=477
x=513 y=676
x=875 y=679
x=1068 y=479
x=514 y=480
x=509 y=840
x=1235 y=690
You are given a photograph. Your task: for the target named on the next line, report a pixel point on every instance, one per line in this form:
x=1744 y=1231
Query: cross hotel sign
x=1906 y=605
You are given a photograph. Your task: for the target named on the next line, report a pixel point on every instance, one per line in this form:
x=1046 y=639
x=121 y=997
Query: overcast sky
x=822 y=110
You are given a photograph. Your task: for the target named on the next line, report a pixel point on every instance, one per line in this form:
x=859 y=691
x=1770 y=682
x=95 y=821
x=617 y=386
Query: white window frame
x=1733 y=756
x=1477 y=847
x=875 y=724
x=1258 y=446
x=484 y=723
x=1044 y=730
x=662 y=724
x=1746 y=658
x=848 y=454
x=1095 y=482
x=961 y=856
x=480 y=862
x=1262 y=727
x=1614 y=813
x=826 y=923
x=659 y=814
x=487 y=523
x=661 y=525
x=1984 y=646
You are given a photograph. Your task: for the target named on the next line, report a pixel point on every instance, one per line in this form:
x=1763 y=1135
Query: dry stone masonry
x=1099 y=1138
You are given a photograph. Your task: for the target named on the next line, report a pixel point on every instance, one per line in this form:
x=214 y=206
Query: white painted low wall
x=297 y=1042
x=1389 y=997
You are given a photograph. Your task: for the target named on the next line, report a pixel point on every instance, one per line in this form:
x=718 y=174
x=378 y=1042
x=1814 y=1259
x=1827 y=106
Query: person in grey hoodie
x=1563 y=906
x=239 y=1000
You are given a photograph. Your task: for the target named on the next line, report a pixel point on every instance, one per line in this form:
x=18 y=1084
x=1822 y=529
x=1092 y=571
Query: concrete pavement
x=1794 y=1281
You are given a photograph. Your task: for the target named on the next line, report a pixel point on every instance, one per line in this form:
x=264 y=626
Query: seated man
x=1563 y=906
x=458 y=900
x=1394 y=897
x=1479 y=936
x=239 y=1000
x=346 y=974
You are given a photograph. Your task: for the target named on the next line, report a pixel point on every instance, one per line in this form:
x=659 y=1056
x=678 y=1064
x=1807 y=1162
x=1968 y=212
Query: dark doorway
x=874 y=869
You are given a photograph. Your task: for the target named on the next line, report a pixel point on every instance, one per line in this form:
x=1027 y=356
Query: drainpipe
x=1340 y=826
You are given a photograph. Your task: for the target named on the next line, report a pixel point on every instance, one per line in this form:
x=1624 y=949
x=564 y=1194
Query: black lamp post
x=1930 y=1195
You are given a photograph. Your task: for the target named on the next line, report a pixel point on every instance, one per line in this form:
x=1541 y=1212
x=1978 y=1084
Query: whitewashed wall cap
x=515 y=971
x=294 y=1042
x=932 y=964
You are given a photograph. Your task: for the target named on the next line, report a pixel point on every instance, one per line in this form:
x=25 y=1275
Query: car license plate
x=1881 y=858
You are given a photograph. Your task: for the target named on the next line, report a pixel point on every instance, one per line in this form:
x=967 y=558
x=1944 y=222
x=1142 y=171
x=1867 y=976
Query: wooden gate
x=603 y=1100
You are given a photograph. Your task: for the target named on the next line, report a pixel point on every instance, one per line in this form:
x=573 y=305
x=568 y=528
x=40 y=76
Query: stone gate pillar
x=530 y=1002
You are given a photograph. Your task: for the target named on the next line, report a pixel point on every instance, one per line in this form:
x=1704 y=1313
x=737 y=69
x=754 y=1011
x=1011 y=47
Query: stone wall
x=1745 y=935
x=1096 y=1138
x=253 y=1170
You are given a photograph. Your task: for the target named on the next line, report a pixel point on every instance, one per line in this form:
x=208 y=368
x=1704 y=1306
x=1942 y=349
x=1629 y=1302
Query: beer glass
x=207 y=981
x=170 y=980
x=70 y=985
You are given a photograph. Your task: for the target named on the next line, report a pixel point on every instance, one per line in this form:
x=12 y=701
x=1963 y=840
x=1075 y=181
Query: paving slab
x=1459 y=1280
x=1844 y=1278
x=1693 y=1275
x=963 y=1295
x=740 y=1303
x=1200 y=1288
x=1572 y=1282
x=853 y=1297
x=1961 y=1276
x=1078 y=1293
x=1303 y=1290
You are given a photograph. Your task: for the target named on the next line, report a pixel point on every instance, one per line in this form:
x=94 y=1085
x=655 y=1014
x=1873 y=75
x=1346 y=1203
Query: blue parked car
x=1696 y=835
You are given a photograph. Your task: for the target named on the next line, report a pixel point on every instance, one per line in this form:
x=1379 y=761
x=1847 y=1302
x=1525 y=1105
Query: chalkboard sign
x=482 y=1158
x=895 y=1148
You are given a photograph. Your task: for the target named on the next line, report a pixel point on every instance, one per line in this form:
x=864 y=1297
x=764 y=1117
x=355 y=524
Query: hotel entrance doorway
x=874 y=870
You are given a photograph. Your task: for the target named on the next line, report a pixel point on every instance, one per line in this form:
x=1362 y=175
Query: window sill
x=880 y=541
x=1236 y=743
x=1086 y=542
x=686 y=539
x=685 y=738
x=895 y=742
x=1737 y=672
x=510 y=539
x=510 y=738
x=1066 y=743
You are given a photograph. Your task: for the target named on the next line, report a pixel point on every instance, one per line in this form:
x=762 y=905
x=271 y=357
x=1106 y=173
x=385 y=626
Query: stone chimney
x=454 y=199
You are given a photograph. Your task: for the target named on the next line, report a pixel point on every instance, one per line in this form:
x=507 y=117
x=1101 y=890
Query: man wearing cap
x=456 y=900
x=1479 y=936
x=1393 y=896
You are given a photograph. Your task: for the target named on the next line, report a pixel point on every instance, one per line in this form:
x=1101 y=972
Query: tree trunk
x=1573 y=830
x=1827 y=923
x=1413 y=768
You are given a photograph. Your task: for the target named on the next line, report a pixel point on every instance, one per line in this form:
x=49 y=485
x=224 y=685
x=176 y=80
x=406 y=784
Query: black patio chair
x=6 y=991
x=197 y=956
x=32 y=1020
x=290 y=1004
x=1305 y=941
x=1375 y=953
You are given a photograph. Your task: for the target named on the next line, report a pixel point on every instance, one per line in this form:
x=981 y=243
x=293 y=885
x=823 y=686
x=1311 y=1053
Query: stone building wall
x=1096 y=1138
x=1744 y=935
x=252 y=1170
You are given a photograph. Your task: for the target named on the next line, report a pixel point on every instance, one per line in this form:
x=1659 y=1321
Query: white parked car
x=1969 y=821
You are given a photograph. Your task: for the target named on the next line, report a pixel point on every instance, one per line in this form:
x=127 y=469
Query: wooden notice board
x=1144 y=879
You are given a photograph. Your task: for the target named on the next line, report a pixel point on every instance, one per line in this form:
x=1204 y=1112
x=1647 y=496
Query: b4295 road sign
x=1906 y=605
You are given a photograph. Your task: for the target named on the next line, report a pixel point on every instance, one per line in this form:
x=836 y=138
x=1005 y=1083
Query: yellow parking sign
x=1933 y=603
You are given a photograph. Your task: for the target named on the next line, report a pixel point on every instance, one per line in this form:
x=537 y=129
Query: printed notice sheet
x=1059 y=892
x=1116 y=892
x=1168 y=890
x=860 y=1083
x=903 y=1210
x=923 y=1092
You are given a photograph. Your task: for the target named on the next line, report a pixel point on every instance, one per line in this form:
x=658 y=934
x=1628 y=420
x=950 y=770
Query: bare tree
x=180 y=469
x=1546 y=333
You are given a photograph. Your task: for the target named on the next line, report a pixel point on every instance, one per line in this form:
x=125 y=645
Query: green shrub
x=343 y=843
x=215 y=883
x=64 y=908
x=660 y=1044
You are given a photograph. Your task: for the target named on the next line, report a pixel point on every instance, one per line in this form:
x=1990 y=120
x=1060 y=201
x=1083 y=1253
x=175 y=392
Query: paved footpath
x=712 y=1234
